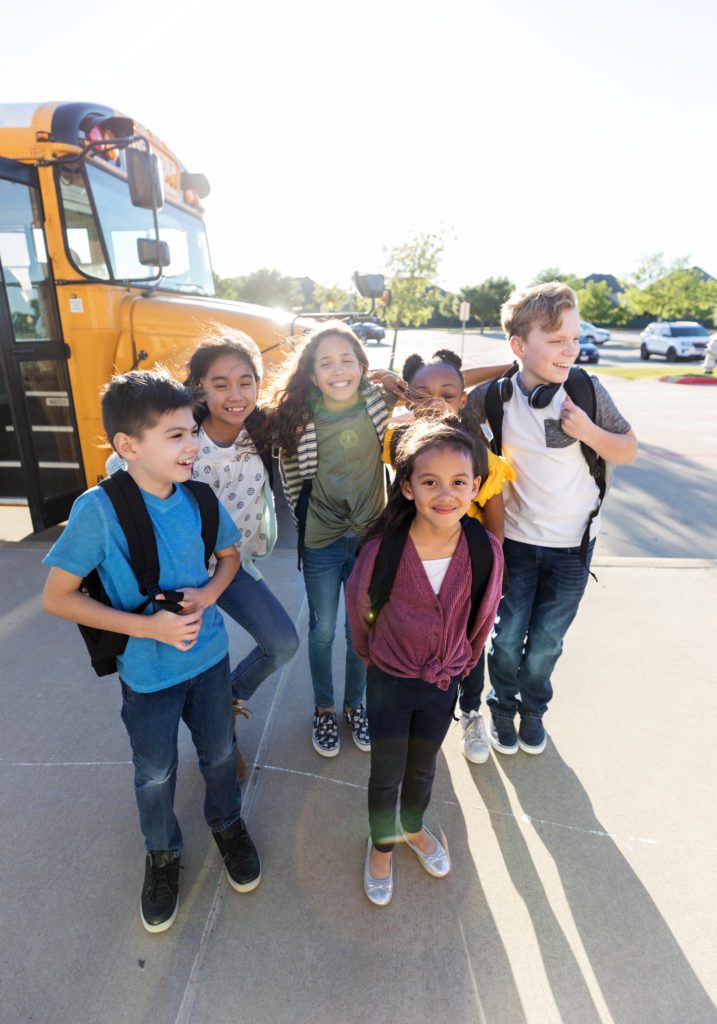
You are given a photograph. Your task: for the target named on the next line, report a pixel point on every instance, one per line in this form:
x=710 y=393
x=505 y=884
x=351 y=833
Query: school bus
x=104 y=267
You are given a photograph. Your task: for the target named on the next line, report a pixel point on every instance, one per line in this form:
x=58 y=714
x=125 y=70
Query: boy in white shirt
x=547 y=507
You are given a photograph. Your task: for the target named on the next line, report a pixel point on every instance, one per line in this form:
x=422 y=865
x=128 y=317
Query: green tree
x=595 y=302
x=331 y=299
x=412 y=271
x=670 y=292
x=485 y=300
x=265 y=287
x=555 y=274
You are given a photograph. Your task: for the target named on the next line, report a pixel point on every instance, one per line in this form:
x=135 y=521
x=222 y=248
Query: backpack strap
x=209 y=512
x=495 y=396
x=385 y=568
x=481 y=563
x=581 y=389
x=136 y=524
x=254 y=422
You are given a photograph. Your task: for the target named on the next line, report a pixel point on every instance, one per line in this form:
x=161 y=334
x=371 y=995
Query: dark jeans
x=408 y=720
x=250 y=603
x=325 y=571
x=152 y=723
x=546 y=585
x=471 y=689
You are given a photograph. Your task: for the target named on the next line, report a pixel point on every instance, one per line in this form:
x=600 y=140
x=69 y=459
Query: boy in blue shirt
x=547 y=506
x=174 y=665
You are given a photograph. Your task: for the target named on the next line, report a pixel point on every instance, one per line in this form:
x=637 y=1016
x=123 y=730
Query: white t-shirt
x=436 y=569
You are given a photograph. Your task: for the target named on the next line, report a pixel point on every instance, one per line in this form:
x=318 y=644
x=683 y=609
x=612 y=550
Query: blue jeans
x=325 y=570
x=250 y=603
x=545 y=588
x=152 y=722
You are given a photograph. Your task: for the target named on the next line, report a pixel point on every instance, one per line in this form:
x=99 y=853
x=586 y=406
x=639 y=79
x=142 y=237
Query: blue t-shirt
x=94 y=539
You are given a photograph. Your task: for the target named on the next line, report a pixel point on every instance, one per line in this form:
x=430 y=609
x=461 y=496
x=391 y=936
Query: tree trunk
x=393 y=348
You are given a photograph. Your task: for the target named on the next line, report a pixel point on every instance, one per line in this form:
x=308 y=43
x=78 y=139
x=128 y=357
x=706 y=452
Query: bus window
x=24 y=263
x=83 y=237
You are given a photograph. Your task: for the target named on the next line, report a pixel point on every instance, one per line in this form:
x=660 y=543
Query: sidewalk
x=582 y=888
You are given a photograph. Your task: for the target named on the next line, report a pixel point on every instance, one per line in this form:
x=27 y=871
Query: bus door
x=40 y=460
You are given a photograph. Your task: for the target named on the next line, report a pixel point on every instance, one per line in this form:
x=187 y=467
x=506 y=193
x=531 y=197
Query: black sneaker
x=241 y=861
x=357 y=721
x=503 y=736
x=160 y=892
x=531 y=734
x=325 y=734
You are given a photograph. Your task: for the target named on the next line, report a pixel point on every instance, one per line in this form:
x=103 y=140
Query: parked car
x=675 y=340
x=588 y=352
x=367 y=331
x=597 y=335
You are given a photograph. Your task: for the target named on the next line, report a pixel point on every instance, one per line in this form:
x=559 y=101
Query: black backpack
x=389 y=557
x=581 y=389
x=104 y=646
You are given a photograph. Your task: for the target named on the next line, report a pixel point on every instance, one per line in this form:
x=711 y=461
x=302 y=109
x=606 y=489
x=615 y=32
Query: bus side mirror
x=146 y=187
x=371 y=286
x=153 y=253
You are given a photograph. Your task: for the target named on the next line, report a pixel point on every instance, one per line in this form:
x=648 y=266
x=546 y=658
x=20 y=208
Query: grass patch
x=641 y=372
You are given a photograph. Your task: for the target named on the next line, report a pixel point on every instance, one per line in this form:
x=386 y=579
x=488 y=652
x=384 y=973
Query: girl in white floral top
x=225 y=372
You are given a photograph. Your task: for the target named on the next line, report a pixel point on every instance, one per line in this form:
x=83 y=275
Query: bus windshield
x=102 y=227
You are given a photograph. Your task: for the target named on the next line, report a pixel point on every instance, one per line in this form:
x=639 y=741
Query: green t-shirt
x=347 y=492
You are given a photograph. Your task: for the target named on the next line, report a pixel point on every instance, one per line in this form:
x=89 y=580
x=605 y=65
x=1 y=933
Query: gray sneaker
x=476 y=748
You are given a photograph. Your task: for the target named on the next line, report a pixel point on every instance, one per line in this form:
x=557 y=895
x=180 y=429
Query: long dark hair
x=292 y=391
x=416 y=439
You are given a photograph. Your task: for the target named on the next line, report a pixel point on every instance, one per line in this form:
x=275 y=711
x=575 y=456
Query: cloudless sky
x=535 y=134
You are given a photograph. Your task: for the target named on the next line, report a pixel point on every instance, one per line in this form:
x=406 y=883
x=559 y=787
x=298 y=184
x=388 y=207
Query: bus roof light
x=198 y=183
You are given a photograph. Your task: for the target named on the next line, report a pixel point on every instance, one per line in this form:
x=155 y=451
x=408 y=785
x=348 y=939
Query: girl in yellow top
x=441 y=383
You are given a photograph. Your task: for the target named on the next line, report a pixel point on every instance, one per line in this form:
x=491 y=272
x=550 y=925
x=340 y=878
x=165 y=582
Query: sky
x=531 y=134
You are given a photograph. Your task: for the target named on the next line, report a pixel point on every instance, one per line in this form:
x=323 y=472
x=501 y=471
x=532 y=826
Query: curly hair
x=414 y=363
x=292 y=391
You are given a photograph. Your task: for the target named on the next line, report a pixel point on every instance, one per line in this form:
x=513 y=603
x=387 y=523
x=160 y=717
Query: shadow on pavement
x=637 y=962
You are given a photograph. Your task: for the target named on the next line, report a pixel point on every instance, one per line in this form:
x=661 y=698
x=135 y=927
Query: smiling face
x=442 y=486
x=337 y=371
x=163 y=454
x=548 y=355
x=230 y=392
x=439 y=380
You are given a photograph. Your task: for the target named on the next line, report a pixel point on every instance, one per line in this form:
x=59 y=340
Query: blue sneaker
x=531 y=735
x=503 y=736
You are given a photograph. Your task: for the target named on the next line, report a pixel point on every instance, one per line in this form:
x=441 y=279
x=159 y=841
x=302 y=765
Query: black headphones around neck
x=539 y=398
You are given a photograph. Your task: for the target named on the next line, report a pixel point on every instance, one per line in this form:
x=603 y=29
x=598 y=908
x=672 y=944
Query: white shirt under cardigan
x=549 y=502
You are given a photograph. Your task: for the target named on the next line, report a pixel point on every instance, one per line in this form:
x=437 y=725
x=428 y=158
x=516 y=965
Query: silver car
x=675 y=340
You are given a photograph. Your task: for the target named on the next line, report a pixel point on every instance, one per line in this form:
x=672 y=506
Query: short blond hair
x=542 y=306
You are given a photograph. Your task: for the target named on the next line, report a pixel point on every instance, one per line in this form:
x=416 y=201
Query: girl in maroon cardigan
x=418 y=647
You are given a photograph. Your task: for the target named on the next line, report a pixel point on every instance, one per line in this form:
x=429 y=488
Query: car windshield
x=102 y=228
x=688 y=332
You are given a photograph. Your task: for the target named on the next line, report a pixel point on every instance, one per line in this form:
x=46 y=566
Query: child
x=329 y=422
x=442 y=381
x=174 y=665
x=225 y=374
x=422 y=641
x=547 y=506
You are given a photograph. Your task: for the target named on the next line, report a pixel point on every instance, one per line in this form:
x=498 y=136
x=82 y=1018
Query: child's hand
x=400 y=418
x=574 y=422
x=390 y=381
x=180 y=631
x=195 y=599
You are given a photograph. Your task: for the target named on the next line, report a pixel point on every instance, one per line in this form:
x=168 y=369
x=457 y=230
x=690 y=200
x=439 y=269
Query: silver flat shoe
x=378 y=890
x=437 y=863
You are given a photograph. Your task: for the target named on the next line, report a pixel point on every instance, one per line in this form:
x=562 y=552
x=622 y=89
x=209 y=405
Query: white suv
x=680 y=339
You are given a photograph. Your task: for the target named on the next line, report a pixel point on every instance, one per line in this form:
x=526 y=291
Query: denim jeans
x=325 y=570
x=471 y=689
x=546 y=585
x=250 y=603
x=152 y=723
x=408 y=720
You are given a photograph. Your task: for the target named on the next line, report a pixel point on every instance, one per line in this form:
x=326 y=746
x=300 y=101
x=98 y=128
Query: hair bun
x=412 y=365
x=447 y=355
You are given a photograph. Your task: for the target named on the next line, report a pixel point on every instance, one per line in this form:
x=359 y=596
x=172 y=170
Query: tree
x=595 y=302
x=555 y=274
x=674 y=292
x=485 y=299
x=265 y=287
x=412 y=272
x=331 y=299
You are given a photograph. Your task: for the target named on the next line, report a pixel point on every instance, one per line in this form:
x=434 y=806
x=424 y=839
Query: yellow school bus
x=104 y=267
